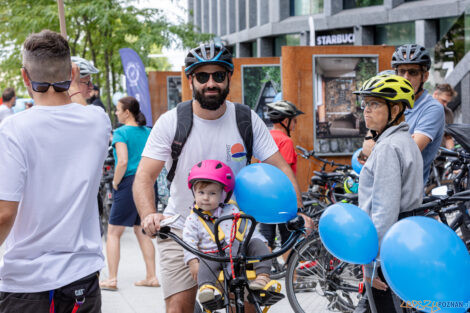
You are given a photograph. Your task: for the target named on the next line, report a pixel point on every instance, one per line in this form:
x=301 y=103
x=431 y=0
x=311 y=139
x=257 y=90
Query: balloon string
x=373 y=272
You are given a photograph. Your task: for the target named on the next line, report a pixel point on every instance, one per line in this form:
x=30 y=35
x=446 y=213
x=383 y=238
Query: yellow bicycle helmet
x=389 y=87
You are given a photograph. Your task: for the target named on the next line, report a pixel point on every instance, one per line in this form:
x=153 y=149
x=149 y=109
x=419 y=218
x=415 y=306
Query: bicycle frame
x=237 y=285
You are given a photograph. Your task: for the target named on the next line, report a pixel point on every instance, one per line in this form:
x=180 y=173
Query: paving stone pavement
x=131 y=299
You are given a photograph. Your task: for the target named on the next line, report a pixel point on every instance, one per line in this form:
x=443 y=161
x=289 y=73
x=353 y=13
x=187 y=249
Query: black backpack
x=184 y=113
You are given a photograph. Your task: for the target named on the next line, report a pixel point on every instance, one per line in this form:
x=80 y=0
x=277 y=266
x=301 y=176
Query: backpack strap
x=245 y=128
x=184 y=123
x=184 y=117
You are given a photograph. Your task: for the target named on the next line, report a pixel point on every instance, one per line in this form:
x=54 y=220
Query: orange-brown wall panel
x=158 y=92
x=235 y=94
x=297 y=87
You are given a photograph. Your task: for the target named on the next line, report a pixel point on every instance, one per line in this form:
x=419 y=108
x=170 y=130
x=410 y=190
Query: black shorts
x=87 y=289
x=123 y=210
x=269 y=232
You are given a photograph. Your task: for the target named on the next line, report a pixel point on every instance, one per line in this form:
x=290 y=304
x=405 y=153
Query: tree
x=96 y=30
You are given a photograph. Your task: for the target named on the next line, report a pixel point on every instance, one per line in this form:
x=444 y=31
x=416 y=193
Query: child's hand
x=194 y=268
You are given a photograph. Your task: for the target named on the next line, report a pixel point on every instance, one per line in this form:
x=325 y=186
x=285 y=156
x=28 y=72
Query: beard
x=212 y=102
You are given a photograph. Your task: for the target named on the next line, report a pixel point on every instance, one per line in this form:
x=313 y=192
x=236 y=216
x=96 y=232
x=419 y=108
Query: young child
x=212 y=184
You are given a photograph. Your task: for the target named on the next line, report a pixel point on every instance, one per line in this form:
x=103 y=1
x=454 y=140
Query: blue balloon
x=348 y=233
x=357 y=167
x=424 y=260
x=266 y=193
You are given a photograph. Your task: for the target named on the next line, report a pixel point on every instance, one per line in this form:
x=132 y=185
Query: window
x=395 y=34
x=445 y=24
x=306 y=7
x=351 y=4
x=285 y=40
x=254 y=49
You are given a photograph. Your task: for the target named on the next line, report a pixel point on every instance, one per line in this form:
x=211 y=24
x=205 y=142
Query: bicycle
x=105 y=193
x=325 y=186
x=443 y=206
x=237 y=283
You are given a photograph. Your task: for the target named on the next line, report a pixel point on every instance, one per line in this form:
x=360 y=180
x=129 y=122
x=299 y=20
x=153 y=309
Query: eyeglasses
x=203 y=77
x=373 y=105
x=44 y=86
x=88 y=83
x=412 y=71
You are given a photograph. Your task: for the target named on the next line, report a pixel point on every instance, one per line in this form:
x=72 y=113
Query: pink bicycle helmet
x=213 y=171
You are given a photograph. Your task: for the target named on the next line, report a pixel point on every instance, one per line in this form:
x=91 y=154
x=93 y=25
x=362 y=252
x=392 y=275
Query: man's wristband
x=75 y=93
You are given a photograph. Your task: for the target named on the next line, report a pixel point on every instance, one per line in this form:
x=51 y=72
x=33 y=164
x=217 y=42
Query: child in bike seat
x=212 y=184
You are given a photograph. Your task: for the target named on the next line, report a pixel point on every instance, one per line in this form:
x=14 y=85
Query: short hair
x=446 y=88
x=8 y=94
x=46 y=57
x=204 y=183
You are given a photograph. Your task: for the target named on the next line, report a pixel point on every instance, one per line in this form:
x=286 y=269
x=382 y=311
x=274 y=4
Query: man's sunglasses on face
x=203 y=77
x=44 y=86
x=413 y=72
x=88 y=83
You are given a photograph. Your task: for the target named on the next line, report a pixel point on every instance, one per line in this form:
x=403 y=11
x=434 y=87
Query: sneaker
x=206 y=294
x=260 y=282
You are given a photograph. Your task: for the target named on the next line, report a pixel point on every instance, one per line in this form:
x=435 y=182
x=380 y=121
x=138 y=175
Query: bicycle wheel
x=305 y=276
x=318 y=282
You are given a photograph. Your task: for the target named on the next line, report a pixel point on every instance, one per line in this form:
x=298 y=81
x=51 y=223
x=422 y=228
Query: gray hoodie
x=391 y=181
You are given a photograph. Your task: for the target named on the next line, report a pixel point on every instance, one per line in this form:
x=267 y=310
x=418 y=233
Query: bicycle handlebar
x=165 y=232
x=455 y=154
x=307 y=154
x=443 y=200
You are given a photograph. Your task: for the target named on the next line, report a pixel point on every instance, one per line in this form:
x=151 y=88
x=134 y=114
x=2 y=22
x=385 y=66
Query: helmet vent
x=408 y=83
x=392 y=93
x=218 y=166
x=229 y=176
x=199 y=164
x=405 y=90
x=391 y=80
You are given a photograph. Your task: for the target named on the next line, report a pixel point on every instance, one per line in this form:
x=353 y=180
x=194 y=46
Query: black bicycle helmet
x=205 y=54
x=411 y=54
x=280 y=110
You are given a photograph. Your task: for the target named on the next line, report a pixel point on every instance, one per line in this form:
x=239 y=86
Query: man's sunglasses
x=43 y=86
x=413 y=72
x=203 y=77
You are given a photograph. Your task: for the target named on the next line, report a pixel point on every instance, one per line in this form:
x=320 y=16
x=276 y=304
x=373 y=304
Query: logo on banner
x=132 y=74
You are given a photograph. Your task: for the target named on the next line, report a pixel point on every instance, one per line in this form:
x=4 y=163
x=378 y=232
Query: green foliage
x=96 y=30
x=253 y=79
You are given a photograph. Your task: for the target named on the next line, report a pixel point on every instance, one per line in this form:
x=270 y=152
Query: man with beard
x=95 y=97
x=214 y=135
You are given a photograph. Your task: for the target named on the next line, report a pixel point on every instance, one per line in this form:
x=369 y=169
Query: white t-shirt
x=5 y=111
x=209 y=139
x=51 y=160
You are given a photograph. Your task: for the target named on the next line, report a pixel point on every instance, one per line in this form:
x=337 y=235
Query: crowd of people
x=52 y=156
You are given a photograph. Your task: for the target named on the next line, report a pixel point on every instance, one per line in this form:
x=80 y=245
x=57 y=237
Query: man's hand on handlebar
x=151 y=223
x=309 y=224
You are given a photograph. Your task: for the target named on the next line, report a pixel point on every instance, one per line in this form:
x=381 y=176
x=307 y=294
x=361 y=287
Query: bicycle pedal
x=266 y=297
x=213 y=305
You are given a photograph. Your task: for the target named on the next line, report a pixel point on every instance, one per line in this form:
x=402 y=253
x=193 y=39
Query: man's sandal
x=153 y=282
x=109 y=284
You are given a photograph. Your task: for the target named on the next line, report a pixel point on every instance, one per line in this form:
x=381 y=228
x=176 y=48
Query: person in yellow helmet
x=391 y=180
